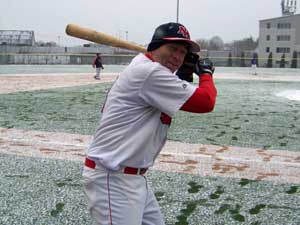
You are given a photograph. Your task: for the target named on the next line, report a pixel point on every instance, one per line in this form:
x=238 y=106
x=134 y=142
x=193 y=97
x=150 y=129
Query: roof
x=280 y=17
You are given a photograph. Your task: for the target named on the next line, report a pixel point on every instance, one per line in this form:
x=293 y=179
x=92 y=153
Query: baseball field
x=237 y=165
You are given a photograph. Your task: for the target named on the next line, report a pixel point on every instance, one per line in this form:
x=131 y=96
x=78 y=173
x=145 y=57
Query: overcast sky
x=229 y=19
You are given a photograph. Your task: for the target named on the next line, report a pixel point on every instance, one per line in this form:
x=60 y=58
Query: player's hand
x=185 y=72
x=204 y=66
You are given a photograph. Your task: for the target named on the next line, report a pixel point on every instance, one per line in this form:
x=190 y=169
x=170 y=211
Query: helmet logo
x=184 y=32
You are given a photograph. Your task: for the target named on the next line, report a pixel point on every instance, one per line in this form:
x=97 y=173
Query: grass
x=48 y=191
x=247 y=114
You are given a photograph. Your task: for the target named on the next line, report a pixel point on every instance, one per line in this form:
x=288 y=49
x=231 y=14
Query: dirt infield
x=205 y=160
x=29 y=82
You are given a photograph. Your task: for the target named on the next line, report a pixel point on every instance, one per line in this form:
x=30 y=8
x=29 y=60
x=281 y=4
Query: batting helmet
x=172 y=32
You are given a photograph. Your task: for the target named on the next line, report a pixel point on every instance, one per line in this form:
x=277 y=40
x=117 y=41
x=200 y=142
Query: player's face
x=171 y=55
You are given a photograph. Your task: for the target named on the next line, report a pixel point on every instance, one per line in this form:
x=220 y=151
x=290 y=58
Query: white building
x=280 y=35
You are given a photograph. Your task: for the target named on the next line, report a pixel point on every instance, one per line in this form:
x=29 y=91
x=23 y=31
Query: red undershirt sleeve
x=204 y=98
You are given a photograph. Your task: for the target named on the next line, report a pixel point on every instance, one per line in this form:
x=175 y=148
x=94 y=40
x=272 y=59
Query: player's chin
x=172 y=67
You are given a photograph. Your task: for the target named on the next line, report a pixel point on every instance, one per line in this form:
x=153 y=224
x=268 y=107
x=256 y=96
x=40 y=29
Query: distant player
x=97 y=62
x=254 y=66
x=133 y=128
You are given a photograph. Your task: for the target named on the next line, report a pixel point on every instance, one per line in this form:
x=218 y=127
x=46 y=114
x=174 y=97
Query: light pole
x=177 y=15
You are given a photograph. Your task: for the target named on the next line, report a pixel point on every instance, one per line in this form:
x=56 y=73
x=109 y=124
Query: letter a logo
x=184 y=32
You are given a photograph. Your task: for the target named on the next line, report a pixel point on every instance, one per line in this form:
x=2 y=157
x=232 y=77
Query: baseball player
x=97 y=62
x=254 y=65
x=133 y=127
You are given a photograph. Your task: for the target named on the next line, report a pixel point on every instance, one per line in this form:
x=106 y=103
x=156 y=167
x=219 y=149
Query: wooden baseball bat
x=101 y=38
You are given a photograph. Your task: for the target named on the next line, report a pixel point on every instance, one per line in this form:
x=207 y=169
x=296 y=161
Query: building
x=280 y=36
x=17 y=37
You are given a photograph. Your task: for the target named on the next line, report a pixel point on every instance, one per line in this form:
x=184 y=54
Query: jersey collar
x=148 y=55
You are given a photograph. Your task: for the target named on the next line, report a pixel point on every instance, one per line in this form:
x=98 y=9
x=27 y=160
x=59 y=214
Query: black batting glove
x=204 y=66
x=185 y=72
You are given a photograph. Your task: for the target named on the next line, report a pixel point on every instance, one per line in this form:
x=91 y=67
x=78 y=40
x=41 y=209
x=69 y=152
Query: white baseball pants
x=98 y=70
x=115 y=198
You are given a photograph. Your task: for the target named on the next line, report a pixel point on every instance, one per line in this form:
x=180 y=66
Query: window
x=283 y=50
x=267 y=49
x=268 y=38
x=283 y=38
x=284 y=26
x=268 y=25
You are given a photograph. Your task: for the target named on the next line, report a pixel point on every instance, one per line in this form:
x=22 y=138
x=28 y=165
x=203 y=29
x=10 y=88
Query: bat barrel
x=101 y=38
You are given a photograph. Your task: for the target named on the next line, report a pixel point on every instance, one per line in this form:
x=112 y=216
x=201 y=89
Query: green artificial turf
x=247 y=114
x=49 y=191
x=73 y=109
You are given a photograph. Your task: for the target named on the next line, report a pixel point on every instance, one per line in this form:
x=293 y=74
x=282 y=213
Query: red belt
x=128 y=170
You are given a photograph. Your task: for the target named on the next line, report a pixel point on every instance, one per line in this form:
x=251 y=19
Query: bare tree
x=46 y=44
x=216 y=43
x=204 y=44
x=246 y=44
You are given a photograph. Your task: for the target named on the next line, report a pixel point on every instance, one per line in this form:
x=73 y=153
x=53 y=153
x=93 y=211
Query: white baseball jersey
x=136 y=115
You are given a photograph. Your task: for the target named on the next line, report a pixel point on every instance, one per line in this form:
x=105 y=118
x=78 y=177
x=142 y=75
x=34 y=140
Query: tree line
x=239 y=47
x=217 y=44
